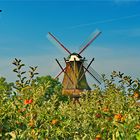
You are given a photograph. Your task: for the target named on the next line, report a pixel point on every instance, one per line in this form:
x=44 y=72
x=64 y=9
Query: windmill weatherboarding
x=74 y=81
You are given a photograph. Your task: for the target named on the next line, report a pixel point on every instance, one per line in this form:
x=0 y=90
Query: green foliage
x=22 y=81
x=5 y=88
x=39 y=111
x=50 y=85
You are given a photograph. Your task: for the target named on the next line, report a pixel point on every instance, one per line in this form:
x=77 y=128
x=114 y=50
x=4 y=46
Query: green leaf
x=20 y=66
x=22 y=80
x=19 y=75
x=23 y=72
x=32 y=68
x=16 y=59
x=14 y=63
x=36 y=73
x=15 y=70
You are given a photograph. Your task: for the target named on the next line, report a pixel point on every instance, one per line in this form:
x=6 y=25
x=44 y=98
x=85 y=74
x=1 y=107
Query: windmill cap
x=75 y=56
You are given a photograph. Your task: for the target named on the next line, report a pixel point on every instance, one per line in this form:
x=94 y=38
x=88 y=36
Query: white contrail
x=104 y=21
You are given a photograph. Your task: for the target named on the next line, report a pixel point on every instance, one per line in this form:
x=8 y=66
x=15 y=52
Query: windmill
x=74 y=80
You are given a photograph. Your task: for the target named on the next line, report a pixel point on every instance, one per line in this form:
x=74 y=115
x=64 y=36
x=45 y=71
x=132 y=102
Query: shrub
x=104 y=113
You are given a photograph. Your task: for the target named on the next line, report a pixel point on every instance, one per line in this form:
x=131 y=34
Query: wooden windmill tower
x=74 y=81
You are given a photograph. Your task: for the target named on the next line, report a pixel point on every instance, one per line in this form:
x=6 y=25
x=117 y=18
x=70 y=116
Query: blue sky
x=25 y=24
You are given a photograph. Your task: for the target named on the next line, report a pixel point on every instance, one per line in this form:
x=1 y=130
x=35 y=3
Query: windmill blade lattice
x=56 y=42
x=93 y=73
x=86 y=69
x=89 y=40
x=64 y=71
x=60 y=73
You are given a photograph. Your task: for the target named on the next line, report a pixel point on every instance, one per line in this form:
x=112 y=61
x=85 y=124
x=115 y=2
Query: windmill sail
x=57 y=43
x=93 y=73
x=90 y=39
x=64 y=71
x=86 y=69
x=60 y=73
